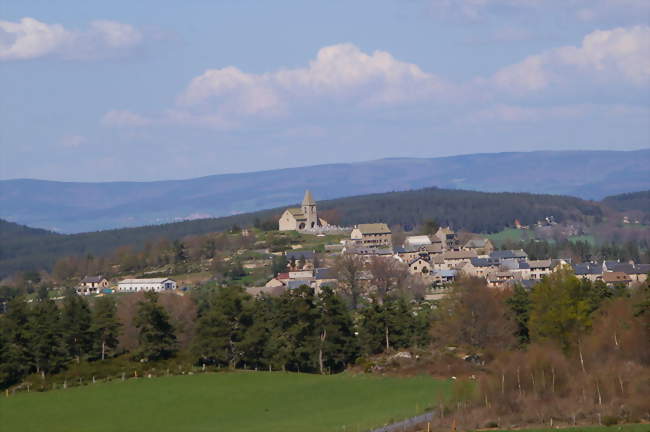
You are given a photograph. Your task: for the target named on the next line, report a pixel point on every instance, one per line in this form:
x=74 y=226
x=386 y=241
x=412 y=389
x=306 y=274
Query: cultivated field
x=229 y=402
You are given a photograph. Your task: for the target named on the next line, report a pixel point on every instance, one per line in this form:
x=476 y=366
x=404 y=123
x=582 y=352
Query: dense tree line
x=28 y=249
x=629 y=201
x=583 y=251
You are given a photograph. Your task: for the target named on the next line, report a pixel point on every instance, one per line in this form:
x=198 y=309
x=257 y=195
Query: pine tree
x=105 y=327
x=157 y=338
x=222 y=327
x=12 y=365
x=373 y=328
x=76 y=322
x=257 y=345
x=519 y=304
x=46 y=337
x=337 y=342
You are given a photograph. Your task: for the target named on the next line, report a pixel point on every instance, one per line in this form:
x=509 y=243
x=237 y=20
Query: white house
x=156 y=284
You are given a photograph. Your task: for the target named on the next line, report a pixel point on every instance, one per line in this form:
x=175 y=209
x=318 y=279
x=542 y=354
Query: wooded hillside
x=23 y=248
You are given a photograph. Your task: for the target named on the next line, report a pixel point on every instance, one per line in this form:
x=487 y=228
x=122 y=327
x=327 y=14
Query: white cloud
x=339 y=72
x=225 y=98
x=344 y=81
x=30 y=39
x=621 y=54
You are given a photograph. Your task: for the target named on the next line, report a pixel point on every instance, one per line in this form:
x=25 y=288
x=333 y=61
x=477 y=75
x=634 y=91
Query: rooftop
x=373 y=228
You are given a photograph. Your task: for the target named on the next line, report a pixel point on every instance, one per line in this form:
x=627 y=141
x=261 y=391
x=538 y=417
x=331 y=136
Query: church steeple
x=308 y=200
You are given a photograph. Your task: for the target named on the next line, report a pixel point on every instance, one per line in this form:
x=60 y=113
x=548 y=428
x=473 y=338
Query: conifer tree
x=519 y=304
x=221 y=328
x=337 y=342
x=157 y=338
x=76 y=322
x=105 y=327
x=46 y=337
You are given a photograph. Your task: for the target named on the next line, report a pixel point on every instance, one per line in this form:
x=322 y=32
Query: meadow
x=234 y=402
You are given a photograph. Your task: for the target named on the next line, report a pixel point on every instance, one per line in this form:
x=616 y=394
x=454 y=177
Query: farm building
x=156 y=284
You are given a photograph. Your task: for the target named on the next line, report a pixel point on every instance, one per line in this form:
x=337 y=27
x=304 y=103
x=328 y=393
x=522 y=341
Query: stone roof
x=536 y=264
x=584 y=269
x=297 y=213
x=92 y=279
x=613 y=277
x=459 y=255
x=324 y=273
x=509 y=254
x=373 y=228
x=485 y=262
x=299 y=255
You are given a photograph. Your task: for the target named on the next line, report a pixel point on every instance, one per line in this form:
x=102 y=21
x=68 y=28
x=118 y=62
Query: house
x=447 y=237
x=479 y=267
x=304 y=256
x=456 y=258
x=590 y=271
x=416 y=242
x=480 y=245
x=92 y=285
x=373 y=235
x=301 y=218
x=612 y=278
x=419 y=266
x=324 y=276
x=500 y=278
x=155 y=284
x=539 y=268
x=443 y=277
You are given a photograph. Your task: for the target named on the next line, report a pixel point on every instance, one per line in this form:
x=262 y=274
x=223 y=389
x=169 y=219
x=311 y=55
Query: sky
x=151 y=90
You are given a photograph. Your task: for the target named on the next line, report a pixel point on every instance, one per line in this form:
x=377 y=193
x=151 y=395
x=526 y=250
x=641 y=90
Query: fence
x=402 y=425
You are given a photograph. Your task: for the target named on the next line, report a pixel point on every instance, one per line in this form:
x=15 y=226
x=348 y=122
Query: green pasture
x=507 y=234
x=228 y=402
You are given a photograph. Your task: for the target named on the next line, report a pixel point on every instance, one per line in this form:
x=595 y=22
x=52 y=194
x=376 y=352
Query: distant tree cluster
x=583 y=251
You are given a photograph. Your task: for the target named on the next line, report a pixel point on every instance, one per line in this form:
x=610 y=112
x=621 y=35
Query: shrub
x=610 y=420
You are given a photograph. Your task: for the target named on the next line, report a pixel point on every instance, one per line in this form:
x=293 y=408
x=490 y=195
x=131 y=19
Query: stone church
x=303 y=217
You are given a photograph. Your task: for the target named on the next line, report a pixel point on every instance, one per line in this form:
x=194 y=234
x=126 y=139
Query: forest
x=23 y=248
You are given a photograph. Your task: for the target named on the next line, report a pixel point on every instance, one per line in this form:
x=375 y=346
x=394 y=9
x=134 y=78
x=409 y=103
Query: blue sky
x=123 y=90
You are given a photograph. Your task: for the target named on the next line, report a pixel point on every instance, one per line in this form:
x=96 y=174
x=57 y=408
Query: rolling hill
x=72 y=207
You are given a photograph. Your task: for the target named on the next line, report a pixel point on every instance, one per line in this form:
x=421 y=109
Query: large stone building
x=374 y=235
x=301 y=218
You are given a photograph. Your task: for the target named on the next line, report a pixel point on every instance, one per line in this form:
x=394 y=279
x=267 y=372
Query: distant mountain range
x=73 y=207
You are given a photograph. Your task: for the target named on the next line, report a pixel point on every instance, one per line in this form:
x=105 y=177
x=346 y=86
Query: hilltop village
x=370 y=254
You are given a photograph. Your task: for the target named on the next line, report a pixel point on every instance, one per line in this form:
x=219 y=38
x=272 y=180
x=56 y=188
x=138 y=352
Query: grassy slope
x=234 y=402
x=508 y=234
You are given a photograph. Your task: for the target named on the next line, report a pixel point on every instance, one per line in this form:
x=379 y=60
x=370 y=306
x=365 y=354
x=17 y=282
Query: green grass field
x=228 y=402
x=508 y=234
